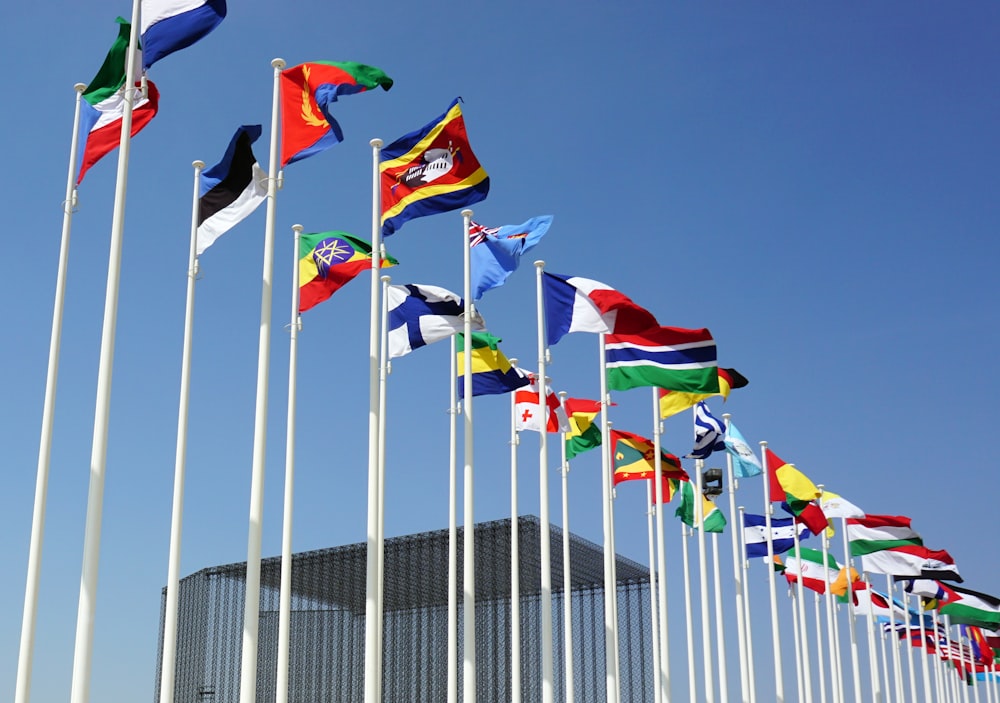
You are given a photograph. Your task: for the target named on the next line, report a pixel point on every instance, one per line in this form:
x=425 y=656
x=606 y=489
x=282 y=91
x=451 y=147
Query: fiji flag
x=420 y=315
x=172 y=25
x=496 y=252
x=708 y=433
x=430 y=171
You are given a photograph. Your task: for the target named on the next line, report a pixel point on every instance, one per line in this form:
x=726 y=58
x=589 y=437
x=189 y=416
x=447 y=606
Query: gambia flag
x=492 y=373
x=328 y=260
x=673 y=402
x=790 y=486
x=667 y=357
x=633 y=458
x=712 y=517
x=583 y=433
x=103 y=107
x=307 y=93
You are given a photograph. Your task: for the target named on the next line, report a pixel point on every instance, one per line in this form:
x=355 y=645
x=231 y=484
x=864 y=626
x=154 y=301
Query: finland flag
x=420 y=315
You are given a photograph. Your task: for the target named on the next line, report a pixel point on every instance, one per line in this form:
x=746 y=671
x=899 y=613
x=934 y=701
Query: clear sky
x=815 y=184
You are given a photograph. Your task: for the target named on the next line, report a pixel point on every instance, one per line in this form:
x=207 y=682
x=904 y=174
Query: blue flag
x=172 y=25
x=745 y=462
x=420 y=315
x=708 y=433
x=782 y=534
x=496 y=252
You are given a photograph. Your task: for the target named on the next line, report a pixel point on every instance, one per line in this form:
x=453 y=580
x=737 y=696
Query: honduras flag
x=745 y=462
x=496 y=252
x=782 y=534
x=172 y=25
x=420 y=315
x=708 y=433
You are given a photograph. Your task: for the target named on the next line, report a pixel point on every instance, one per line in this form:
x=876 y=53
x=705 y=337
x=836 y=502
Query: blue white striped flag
x=420 y=315
x=172 y=25
x=708 y=433
x=782 y=534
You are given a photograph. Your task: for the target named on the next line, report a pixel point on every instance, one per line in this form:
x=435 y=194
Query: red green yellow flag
x=328 y=260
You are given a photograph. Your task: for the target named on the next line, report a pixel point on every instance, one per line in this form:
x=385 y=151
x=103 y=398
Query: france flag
x=172 y=25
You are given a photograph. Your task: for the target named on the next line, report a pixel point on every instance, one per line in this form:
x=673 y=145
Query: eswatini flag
x=328 y=260
x=103 y=105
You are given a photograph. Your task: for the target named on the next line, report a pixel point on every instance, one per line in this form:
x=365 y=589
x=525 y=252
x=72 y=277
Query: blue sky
x=816 y=185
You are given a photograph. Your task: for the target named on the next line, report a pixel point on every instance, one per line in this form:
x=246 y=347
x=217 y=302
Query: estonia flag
x=231 y=189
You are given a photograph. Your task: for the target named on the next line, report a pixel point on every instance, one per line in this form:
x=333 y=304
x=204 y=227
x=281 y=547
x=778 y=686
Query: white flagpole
x=515 y=560
x=468 y=521
x=897 y=664
x=779 y=685
x=741 y=620
x=385 y=368
x=836 y=679
x=834 y=625
x=706 y=618
x=745 y=612
x=889 y=689
x=804 y=638
x=939 y=690
x=793 y=599
x=855 y=661
x=910 y=667
x=567 y=574
x=610 y=588
x=924 y=666
x=614 y=580
x=653 y=606
x=819 y=650
x=22 y=691
x=453 y=411
x=83 y=649
x=688 y=617
x=285 y=590
x=251 y=612
x=663 y=670
x=373 y=674
x=720 y=634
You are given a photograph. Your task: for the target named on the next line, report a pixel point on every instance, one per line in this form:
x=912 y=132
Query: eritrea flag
x=328 y=260
x=307 y=92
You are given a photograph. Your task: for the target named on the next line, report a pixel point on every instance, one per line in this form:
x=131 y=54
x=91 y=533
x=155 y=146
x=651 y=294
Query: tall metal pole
x=688 y=617
x=779 y=684
x=653 y=577
x=453 y=411
x=745 y=566
x=663 y=678
x=741 y=623
x=384 y=368
x=567 y=573
x=720 y=633
x=610 y=588
x=706 y=644
x=515 y=560
x=468 y=533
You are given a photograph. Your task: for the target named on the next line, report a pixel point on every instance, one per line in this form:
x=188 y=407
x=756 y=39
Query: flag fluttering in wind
x=968 y=607
x=584 y=433
x=887 y=544
x=103 y=106
x=745 y=462
x=172 y=25
x=492 y=373
x=782 y=534
x=633 y=458
x=671 y=486
x=790 y=486
x=708 y=432
x=673 y=402
x=327 y=261
x=667 y=357
x=834 y=505
x=496 y=252
x=712 y=517
x=308 y=92
x=421 y=315
x=526 y=409
x=808 y=565
x=575 y=304
x=230 y=190
x=430 y=171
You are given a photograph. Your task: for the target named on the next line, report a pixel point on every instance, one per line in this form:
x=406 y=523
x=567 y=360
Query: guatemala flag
x=708 y=432
x=420 y=315
x=172 y=25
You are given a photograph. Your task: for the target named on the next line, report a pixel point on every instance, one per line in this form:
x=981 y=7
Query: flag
x=574 y=304
x=230 y=190
x=670 y=488
x=584 y=433
x=808 y=565
x=308 y=92
x=712 y=517
x=834 y=505
x=526 y=409
x=847 y=579
x=172 y=25
x=421 y=315
x=327 y=261
x=980 y=647
x=968 y=607
x=782 y=534
x=888 y=545
x=496 y=252
x=492 y=373
x=745 y=462
x=868 y=601
x=632 y=458
x=673 y=402
x=708 y=431
x=103 y=106
x=789 y=485
x=430 y=171
x=668 y=357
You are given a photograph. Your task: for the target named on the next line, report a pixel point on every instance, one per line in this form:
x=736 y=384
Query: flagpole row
x=836 y=679
x=745 y=612
x=741 y=620
x=820 y=664
x=515 y=558
x=924 y=666
x=779 y=684
x=468 y=554
x=799 y=603
x=83 y=647
x=663 y=677
x=688 y=616
x=567 y=574
x=706 y=618
x=855 y=660
x=25 y=658
x=610 y=590
x=910 y=667
x=720 y=639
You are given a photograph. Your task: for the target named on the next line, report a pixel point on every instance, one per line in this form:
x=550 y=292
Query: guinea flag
x=328 y=260
x=103 y=107
x=307 y=93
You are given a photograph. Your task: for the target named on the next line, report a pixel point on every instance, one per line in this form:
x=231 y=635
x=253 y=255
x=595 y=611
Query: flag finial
x=277 y=63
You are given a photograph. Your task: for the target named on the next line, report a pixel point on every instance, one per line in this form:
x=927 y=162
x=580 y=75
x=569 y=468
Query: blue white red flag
x=574 y=304
x=496 y=252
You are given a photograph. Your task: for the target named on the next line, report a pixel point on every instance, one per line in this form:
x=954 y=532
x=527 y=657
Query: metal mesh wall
x=327 y=632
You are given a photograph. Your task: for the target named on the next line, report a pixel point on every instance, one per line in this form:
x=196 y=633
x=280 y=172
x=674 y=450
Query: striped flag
x=708 y=432
x=230 y=190
x=667 y=357
x=575 y=304
x=888 y=545
x=782 y=534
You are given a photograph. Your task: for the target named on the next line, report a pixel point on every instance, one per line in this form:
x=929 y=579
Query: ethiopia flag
x=633 y=458
x=430 y=171
x=583 y=433
x=307 y=92
x=328 y=260
x=673 y=402
x=103 y=106
x=492 y=373
x=792 y=487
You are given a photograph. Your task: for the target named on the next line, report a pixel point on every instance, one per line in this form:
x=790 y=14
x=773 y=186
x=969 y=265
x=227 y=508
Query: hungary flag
x=104 y=102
